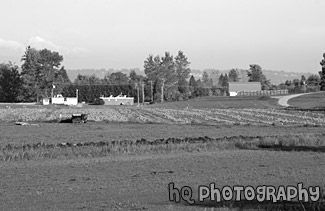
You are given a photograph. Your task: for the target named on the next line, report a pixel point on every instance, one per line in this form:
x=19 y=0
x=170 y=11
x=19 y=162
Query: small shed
x=46 y=101
x=235 y=87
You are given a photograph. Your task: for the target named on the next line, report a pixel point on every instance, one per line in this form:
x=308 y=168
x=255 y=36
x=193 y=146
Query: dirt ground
x=141 y=182
x=101 y=131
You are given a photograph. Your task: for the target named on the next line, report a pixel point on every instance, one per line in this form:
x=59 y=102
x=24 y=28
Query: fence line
x=263 y=92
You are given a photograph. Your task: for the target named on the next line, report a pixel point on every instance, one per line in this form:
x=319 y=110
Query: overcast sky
x=222 y=34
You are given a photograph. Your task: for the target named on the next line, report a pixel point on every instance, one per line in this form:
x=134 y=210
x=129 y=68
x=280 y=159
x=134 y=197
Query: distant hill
x=100 y=73
x=276 y=77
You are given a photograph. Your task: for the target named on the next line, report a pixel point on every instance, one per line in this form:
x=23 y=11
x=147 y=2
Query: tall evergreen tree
x=220 y=81
x=192 y=81
x=322 y=73
x=225 y=81
x=183 y=71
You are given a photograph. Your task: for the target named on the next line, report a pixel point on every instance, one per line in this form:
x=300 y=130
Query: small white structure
x=118 y=100
x=46 y=101
x=59 y=99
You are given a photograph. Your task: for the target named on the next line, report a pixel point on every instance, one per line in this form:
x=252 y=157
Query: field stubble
x=126 y=157
x=229 y=116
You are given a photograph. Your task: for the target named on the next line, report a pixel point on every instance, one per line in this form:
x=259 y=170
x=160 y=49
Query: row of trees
x=92 y=87
x=41 y=69
x=219 y=80
x=166 y=78
x=311 y=84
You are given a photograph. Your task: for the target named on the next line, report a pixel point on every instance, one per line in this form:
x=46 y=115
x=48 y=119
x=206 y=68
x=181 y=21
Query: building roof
x=244 y=86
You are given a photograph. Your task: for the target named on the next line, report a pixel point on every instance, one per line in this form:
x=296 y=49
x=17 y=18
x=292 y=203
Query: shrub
x=98 y=101
x=264 y=97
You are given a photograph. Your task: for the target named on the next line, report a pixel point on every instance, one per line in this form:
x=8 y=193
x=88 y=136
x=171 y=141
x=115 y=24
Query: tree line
x=167 y=78
x=313 y=83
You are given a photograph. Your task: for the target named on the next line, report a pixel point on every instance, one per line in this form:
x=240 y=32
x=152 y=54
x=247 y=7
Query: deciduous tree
x=118 y=78
x=205 y=78
x=40 y=70
x=169 y=73
x=255 y=74
x=233 y=75
x=10 y=83
x=313 y=80
x=85 y=80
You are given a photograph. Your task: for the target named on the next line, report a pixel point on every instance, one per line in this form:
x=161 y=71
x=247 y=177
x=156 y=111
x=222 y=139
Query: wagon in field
x=76 y=118
x=79 y=118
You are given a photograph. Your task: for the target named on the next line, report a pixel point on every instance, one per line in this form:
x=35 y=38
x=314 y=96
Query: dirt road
x=283 y=100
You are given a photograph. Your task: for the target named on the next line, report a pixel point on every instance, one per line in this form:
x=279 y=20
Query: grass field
x=316 y=100
x=125 y=157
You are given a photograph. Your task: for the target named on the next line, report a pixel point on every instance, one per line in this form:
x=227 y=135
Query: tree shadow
x=279 y=147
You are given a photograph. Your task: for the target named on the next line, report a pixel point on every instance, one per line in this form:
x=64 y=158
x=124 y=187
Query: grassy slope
x=309 y=101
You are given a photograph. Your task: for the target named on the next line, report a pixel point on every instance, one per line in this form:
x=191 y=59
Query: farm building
x=59 y=99
x=236 y=87
x=118 y=100
x=46 y=101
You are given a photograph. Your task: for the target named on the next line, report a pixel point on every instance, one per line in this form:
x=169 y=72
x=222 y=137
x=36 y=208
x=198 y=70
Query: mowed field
x=125 y=157
x=315 y=100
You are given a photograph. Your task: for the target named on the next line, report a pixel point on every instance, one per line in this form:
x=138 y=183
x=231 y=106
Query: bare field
x=205 y=116
x=140 y=182
x=214 y=102
x=127 y=181
x=102 y=131
x=153 y=147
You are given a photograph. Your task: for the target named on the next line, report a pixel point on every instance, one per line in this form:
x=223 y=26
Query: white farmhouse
x=59 y=99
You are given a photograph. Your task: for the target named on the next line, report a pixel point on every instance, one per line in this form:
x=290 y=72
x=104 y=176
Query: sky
x=284 y=35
